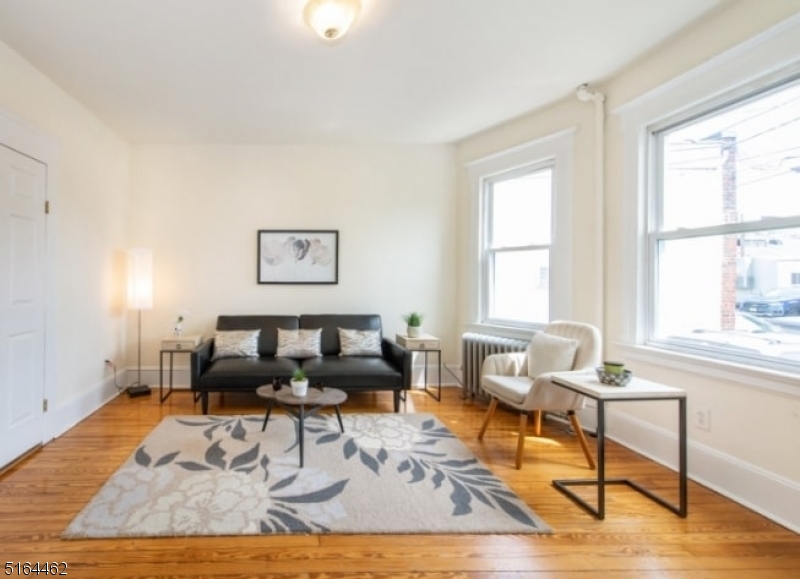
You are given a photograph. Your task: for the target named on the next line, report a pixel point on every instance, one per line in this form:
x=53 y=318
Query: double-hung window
x=724 y=229
x=517 y=245
x=521 y=236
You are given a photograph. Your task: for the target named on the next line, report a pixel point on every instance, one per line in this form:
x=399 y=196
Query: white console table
x=636 y=390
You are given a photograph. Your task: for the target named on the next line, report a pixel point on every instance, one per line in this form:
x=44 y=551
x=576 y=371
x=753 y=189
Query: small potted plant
x=299 y=383
x=413 y=324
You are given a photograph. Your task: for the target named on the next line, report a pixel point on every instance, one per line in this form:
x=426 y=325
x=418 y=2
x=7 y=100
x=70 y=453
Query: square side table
x=172 y=346
x=637 y=389
x=425 y=343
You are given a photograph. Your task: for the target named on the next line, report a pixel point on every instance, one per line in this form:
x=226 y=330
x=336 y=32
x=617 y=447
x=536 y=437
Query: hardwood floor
x=638 y=539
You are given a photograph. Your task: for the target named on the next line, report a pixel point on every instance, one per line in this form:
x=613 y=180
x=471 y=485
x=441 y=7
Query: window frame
x=555 y=151
x=766 y=59
x=656 y=234
x=489 y=251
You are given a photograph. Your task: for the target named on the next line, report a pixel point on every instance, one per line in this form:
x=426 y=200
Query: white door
x=22 y=274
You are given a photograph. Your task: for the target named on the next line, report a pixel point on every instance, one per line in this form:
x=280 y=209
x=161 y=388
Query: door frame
x=26 y=139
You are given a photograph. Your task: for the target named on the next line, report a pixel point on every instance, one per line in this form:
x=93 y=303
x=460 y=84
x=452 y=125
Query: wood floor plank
x=719 y=539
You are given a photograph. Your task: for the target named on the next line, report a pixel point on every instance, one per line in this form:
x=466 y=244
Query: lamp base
x=138 y=390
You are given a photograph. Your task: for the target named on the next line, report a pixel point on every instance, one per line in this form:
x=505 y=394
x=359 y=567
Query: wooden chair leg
x=576 y=426
x=523 y=426
x=489 y=413
x=537 y=422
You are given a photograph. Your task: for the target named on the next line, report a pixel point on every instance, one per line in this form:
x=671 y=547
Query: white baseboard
x=64 y=416
x=181 y=379
x=418 y=375
x=764 y=492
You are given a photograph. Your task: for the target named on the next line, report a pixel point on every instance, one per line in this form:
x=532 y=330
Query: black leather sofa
x=389 y=371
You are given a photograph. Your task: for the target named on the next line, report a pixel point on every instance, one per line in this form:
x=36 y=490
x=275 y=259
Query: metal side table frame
x=636 y=390
x=171 y=352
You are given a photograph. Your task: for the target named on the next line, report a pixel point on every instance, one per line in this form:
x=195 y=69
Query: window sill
x=759 y=378
x=503 y=331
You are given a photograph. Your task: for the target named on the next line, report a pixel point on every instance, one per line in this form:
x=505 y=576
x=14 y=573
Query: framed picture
x=298 y=256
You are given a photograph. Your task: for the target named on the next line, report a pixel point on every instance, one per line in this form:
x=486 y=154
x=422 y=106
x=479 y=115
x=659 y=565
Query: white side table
x=425 y=343
x=637 y=389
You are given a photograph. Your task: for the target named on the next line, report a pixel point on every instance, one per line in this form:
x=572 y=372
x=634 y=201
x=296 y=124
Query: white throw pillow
x=548 y=353
x=299 y=343
x=236 y=344
x=359 y=342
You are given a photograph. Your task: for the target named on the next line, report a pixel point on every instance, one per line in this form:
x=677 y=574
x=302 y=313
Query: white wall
x=200 y=207
x=750 y=453
x=88 y=221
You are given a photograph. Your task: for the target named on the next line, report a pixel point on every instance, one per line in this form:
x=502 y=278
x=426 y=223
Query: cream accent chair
x=505 y=378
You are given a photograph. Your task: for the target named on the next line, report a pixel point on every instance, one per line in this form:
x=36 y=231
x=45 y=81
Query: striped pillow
x=359 y=342
x=236 y=344
x=299 y=343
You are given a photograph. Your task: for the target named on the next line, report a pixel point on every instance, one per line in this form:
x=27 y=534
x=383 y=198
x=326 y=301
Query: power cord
x=110 y=365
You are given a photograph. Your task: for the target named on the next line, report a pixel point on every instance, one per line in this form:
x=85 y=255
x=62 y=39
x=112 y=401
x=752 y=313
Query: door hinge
x=44 y=405
x=47 y=207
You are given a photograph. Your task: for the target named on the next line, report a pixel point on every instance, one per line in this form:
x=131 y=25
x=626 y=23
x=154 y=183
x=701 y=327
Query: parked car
x=775 y=302
x=753 y=336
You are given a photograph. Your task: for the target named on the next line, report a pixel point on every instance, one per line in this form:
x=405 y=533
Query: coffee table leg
x=300 y=433
x=339 y=416
x=266 y=417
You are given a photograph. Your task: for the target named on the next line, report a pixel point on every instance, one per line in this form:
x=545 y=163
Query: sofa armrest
x=200 y=360
x=399 y=357
x=508 y=364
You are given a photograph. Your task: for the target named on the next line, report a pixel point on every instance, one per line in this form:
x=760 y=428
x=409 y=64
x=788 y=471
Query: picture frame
x=298 y=256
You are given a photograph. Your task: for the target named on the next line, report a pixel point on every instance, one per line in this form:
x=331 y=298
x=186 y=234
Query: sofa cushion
x=245 y=373
x=299 y=343
x=352 y=372
x=359 y=342
x=236 y=344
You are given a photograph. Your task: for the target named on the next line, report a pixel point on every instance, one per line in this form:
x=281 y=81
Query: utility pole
x=729 y=249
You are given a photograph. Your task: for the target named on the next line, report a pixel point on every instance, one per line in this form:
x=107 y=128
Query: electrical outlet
x=702 y=420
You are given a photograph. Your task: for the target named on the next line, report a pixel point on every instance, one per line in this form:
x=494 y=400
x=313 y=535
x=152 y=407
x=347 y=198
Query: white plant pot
x=299 y=389
x=413 y=331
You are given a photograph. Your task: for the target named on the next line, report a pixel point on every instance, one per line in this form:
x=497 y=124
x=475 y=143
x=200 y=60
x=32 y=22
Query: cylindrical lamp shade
x=140 y=278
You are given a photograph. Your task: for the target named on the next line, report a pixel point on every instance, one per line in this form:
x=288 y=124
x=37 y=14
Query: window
x=518 y=239
x=724 y=231
x=521 y=236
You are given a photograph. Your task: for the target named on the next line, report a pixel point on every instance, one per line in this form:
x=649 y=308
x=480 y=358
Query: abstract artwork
x=298 y=256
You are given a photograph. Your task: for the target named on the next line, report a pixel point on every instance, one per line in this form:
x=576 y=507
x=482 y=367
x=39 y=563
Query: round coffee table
x=315 y=400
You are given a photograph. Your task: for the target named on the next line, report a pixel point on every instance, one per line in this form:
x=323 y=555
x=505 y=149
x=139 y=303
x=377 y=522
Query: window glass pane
x=520 y=289
x=520 y=210
x=732 y=292
x=738 y=164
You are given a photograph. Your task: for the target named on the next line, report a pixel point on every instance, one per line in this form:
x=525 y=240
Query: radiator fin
x=474 y=349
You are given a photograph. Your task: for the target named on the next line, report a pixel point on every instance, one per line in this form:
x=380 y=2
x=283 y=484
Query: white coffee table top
x=589 y=385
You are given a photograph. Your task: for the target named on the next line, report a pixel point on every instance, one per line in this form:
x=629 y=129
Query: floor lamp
x=140 y=297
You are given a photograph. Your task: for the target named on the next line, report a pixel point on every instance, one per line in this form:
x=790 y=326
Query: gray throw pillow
x=299 y=343
x=359 y=342
x=236 y=344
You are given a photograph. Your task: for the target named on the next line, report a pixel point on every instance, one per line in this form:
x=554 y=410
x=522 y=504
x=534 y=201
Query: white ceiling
x=250 y=71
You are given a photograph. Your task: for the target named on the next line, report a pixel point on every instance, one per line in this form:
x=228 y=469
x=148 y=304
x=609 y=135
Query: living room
x=405 y=213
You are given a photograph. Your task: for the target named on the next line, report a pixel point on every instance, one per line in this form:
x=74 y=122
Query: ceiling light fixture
x=331 y=19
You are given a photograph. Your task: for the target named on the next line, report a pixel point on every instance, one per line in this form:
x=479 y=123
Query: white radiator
x=474 y=348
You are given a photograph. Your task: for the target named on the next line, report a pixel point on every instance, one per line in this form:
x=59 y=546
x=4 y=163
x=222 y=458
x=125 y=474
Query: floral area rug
x=221 y=475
